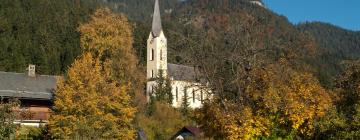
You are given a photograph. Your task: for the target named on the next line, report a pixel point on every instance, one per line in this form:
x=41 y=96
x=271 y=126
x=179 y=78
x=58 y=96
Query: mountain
x=49 y=37
x=336 y=46
x=40 y=32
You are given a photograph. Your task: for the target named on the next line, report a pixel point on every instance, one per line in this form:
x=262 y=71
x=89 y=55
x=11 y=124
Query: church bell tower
x=156 y=59
x=156 y=47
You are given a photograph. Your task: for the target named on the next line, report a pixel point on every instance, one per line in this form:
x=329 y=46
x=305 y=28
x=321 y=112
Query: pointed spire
x=156 y=23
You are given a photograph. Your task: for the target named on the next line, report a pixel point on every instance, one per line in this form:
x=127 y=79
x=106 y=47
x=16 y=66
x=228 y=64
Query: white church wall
x=178 y=90
x=156 y=55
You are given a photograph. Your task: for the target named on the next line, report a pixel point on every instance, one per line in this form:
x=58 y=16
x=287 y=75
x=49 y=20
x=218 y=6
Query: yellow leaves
x=280 y=99
x=91 y=102
x=164 y=122
x=305 y=101
x=106 y=31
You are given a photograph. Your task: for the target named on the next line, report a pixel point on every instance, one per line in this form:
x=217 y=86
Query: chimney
x=31 y=71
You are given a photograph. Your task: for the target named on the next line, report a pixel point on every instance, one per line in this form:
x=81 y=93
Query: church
x=182 y=77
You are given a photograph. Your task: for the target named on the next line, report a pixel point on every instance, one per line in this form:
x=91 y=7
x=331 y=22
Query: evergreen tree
x=185 y=104
x=162 y=90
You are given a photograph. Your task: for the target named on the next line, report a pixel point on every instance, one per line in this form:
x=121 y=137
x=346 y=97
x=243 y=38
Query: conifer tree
x=162 y=90
x=185 y=103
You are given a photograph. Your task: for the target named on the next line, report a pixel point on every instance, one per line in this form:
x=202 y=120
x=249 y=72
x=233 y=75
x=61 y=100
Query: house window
x=177 y=93
x=152 y=54
x=193 y=94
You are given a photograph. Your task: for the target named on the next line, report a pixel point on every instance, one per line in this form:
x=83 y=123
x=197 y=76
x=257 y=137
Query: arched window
x=152 y=54
x=193 y=94
x=177 y=93
x=161 y=57
x=152 y=73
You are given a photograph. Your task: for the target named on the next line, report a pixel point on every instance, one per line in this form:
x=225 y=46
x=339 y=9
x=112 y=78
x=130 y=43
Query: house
x=34 y=91
x=183 y=78
x=188 y=132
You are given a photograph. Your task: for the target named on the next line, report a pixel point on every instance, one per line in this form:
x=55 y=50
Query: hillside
x=235 y=69
x=336 y=46
x=40 y=32
x=48 y=38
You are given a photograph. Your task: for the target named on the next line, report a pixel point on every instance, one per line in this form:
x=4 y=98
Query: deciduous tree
x=7 y=118
x=93 y=101
x=90 y=105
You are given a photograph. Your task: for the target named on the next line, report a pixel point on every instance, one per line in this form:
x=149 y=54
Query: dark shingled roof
x=20 y=85
x=188 y=131
x=156 y=23
x=181 y=72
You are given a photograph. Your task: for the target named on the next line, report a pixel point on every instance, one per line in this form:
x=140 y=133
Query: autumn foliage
x=93 y=100
x=272 y=106
x=90 y=105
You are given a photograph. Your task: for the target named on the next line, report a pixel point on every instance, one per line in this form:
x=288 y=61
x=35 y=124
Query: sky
x=343 y=13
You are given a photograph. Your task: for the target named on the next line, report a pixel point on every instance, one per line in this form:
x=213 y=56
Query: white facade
x=195 y=95
x=156 y=55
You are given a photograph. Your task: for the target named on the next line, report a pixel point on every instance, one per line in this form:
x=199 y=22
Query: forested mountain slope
x=40 y=32
x=336 y=46
x=45 y=33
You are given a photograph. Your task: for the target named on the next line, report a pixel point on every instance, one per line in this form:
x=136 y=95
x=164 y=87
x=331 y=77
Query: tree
x=161 y=124
x=185 y=103
x=343 y=122
x=90 y=105
x=93 y=101
x=110 y=37
x=7 y=118
x=162 y=90
x=161 y=93
x=287 y=106
x=40 y=32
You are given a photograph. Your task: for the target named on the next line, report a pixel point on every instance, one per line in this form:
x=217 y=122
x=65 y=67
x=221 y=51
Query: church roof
x=181 y=72
x=156 y=23
x=20 y=85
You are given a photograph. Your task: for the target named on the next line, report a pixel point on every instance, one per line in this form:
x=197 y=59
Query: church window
x=152 y=73
x=193 y=95
x=152 y=54
x=201 y=96
x=177 y=93
x=161 y=57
